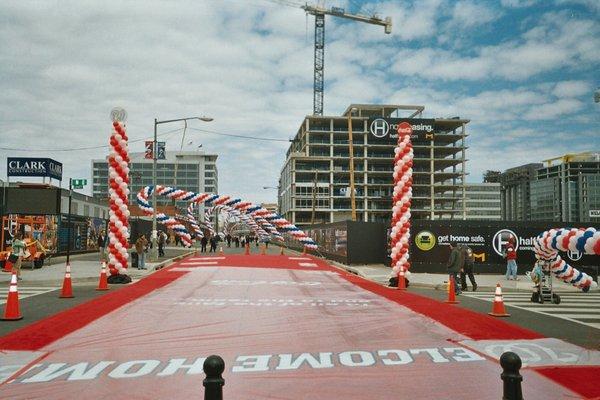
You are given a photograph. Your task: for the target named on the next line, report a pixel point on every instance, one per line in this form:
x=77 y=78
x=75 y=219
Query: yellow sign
x=425 y=240
x=479 y=256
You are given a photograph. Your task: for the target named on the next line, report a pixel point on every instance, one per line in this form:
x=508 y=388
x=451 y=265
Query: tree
x=491 y=176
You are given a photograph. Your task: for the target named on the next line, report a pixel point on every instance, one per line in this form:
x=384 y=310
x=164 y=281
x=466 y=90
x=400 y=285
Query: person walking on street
x=140 y=249
x=455 y=265
x=228 y=238
x=213 y=244
x=203 y=243
x=511 y=262
x=102 y=246
x=18 y=247
x=162 y=239
x=469 y=260
x=17 y=252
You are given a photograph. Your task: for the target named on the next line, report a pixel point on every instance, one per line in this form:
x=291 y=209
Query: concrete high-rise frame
x=321 y=145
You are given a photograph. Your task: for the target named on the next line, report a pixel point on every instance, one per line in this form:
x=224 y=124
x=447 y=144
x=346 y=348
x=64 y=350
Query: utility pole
x=351 y=161
x=69 y=221
x=153 y=239
x=314 y=200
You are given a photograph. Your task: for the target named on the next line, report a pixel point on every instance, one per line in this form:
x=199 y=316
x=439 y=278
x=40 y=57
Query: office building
x=317 y=166
x=567 y=189
x=515 y=192
x=192 y=171
x=483 y=201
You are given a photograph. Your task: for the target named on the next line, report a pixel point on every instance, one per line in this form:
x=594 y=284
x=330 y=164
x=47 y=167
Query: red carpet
x=206 y=313
x=42 y=333
x=583 y=380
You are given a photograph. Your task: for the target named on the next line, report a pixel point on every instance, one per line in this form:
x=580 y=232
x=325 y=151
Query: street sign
x=78 y=183
x=161 y=153
x=149 y=153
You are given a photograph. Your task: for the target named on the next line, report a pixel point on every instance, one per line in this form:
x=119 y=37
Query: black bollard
x=213 y=383
x=511 y=363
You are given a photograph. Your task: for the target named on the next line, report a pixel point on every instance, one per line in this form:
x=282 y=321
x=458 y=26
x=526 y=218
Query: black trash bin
x=134 y=260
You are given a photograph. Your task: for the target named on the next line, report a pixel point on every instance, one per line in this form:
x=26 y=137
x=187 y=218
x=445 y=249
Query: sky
x=524 y=73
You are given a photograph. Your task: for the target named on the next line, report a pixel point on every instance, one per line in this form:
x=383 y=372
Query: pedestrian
x=237 y=241
x=17 y=251
x=162 y=239
x=102 y=245
x=203 y=243
x=213 y=244
x=511 y=262
x=228 y=238
x=140 y=249
x=469 y=260
x=455 y=265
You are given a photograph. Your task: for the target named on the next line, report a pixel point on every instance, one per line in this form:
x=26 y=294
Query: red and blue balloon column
x=118 y=189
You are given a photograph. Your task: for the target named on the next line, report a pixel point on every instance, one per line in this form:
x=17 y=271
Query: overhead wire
x=171 y=132
x=266 y=139
x=87 y=147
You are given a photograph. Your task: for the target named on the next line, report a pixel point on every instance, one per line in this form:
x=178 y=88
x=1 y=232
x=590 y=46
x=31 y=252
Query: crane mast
x=319 y=67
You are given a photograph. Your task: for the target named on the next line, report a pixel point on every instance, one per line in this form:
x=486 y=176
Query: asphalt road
x=568 y=331
x=40 y=306
x=43 y=305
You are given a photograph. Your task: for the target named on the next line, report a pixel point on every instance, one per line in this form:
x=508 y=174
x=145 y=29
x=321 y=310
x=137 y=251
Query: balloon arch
x=266 y=220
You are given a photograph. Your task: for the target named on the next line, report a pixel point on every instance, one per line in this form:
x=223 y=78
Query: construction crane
x=319 y=13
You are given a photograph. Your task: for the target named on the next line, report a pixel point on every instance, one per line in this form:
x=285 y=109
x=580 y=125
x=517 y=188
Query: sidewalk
x=85 y=268
x=485 y=282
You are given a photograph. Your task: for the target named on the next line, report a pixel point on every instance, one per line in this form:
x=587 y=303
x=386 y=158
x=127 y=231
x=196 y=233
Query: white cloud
x=572 y=89
x=554 y=110
x=249 y=65
x=593 y=5
x=468 y=14
x=518 y=3
x=558 y=43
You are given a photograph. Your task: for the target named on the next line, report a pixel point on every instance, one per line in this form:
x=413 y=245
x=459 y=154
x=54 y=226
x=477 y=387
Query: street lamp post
x=278 y=196
x=351 y=161
x=154 y=253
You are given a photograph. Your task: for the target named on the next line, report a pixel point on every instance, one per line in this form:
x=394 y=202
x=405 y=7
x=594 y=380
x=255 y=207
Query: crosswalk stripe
x=29 y=291
x=581 y=308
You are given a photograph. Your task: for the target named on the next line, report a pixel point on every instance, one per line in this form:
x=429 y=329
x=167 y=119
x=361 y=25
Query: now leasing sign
x=33 y=167
x=386 y=129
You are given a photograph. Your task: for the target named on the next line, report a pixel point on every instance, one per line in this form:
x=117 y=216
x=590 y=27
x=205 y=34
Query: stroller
x=542 y=278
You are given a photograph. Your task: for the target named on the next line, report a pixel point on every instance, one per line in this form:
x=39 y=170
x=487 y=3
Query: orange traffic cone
x=103 y=283
x=7 y=266
x=498 y=309
x=401 y=280
x=247 y=249
x=221 y=251
x=451 y=291
x=11 y=311
x=281 y=253
x=67 y=289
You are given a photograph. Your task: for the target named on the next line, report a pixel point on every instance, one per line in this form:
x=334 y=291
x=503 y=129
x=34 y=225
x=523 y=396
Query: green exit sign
x=78 y=183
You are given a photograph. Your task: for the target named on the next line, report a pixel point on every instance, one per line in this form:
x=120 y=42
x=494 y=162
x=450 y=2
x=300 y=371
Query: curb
x=162 y=264
x=435 y=286
x=94 y=280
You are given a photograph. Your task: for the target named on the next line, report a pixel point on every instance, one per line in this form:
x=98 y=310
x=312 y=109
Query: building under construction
x=314 y=185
